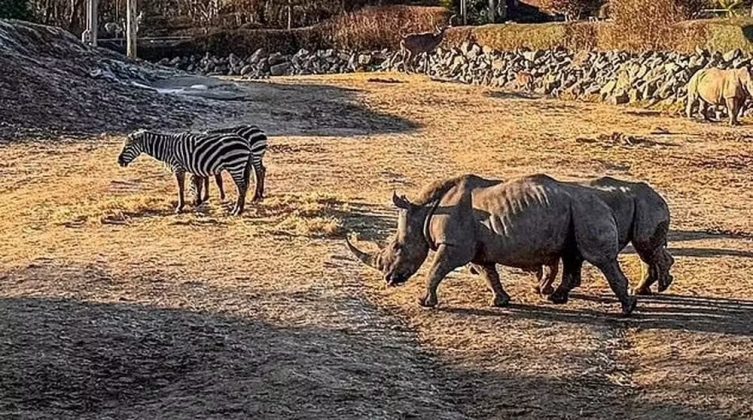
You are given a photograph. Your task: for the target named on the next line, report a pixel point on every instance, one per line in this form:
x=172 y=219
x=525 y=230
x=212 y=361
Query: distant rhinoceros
x=719 y=87
x=642 y=217
x=525 y=222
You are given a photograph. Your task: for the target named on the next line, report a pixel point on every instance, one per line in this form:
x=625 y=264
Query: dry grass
x=652 y=24
x=371 y=28
x=381 y=27
x=645 y=33
x=112 y=306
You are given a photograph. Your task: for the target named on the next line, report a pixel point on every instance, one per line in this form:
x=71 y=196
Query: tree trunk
x=290 y=14
x=73 y=21
x=131 y=28
x=492 y=11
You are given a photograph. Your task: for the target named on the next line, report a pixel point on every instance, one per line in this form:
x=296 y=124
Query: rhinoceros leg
x=619 y=284
x=546 y=276
x=571 y=269
x=689 y=107
x=597 y=242
x=491 y=276
x=650 y=228
x=733 y=107
x=647 y=279
x=703 y=110
x=446 y=259
x=655 y=268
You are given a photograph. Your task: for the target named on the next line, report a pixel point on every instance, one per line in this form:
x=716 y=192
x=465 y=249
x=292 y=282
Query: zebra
x=199 y=154
x=257 y=140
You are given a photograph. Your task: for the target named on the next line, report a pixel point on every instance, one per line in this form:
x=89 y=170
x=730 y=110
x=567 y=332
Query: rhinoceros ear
x=401 y=202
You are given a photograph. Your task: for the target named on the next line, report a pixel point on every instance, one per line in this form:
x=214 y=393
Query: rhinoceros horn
x=365 y=257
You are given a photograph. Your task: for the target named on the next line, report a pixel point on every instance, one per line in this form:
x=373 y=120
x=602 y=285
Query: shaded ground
x=110 y=305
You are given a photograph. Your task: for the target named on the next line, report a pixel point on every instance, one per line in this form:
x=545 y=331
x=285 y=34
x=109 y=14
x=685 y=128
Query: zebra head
x=132 y=147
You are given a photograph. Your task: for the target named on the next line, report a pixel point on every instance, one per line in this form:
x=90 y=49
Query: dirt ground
x=111 y=306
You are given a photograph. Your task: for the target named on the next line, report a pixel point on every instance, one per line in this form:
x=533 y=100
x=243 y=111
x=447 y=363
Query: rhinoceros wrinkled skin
x=642 y=218
x=719 y=87
x=525 y=222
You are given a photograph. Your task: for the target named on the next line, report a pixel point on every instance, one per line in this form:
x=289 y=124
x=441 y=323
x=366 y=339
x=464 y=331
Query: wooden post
x=131 y=28
x=290 y=14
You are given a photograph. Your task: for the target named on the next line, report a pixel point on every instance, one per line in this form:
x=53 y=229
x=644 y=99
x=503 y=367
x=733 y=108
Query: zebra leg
x=197 y=184
x=218 y=179
x=180 y=176
x=241 y=182
x=262 y=181
x=205 y=181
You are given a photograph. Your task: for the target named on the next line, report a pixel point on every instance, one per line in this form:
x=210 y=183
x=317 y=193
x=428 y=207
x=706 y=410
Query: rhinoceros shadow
x=662 y=312
x=703 y=252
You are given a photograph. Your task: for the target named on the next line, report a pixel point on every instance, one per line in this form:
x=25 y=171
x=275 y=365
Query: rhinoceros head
x=407 y=249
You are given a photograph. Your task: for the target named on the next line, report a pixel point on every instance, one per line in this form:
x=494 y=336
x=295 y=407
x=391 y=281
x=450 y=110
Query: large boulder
x=279 y=69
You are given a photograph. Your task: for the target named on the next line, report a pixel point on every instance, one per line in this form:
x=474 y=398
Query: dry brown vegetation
x=112 y=306
x=368 y=28
x=631 y=34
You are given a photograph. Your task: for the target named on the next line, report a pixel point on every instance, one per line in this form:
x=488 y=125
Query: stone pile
x=614 y=77
x=258 y=65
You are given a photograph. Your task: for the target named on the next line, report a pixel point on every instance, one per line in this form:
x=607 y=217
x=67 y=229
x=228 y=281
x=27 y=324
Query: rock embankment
x=615 y=77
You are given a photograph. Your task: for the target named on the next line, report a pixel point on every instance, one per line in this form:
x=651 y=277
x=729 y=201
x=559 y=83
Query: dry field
x=111 y=306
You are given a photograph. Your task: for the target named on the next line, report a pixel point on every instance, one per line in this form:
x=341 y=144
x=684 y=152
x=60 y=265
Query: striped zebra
x=257 y=140
x=199 y=154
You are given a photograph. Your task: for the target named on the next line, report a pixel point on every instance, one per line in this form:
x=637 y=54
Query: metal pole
x=131 y=28
x=90 y=34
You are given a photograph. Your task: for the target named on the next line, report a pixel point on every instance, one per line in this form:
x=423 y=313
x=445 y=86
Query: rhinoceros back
x=524 y=221
x=714 y=85
x=641 y=213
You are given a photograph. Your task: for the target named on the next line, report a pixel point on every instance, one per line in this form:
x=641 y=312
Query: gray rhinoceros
x=642 y=217
x=719 y=87
x=525 y=222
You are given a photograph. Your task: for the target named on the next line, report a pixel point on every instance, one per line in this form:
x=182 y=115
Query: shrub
x=368 y=29
x=650 y=24
x=15 y=9
x=381 y=27
x=571 y=9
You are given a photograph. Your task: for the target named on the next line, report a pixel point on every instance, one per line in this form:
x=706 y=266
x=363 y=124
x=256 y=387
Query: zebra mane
x=137 y=133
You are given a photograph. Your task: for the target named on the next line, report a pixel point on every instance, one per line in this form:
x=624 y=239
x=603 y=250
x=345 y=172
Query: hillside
x=51 y=84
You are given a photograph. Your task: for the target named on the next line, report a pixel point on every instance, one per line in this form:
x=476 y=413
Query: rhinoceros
x=642 y=217
x=525 y=222
x=719 y=87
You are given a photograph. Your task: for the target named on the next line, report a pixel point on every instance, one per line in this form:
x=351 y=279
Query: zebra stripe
x=255 y=136
x=257 y=141
x=200 y=154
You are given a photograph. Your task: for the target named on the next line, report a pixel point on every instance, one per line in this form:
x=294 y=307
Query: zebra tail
x=247 y=170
